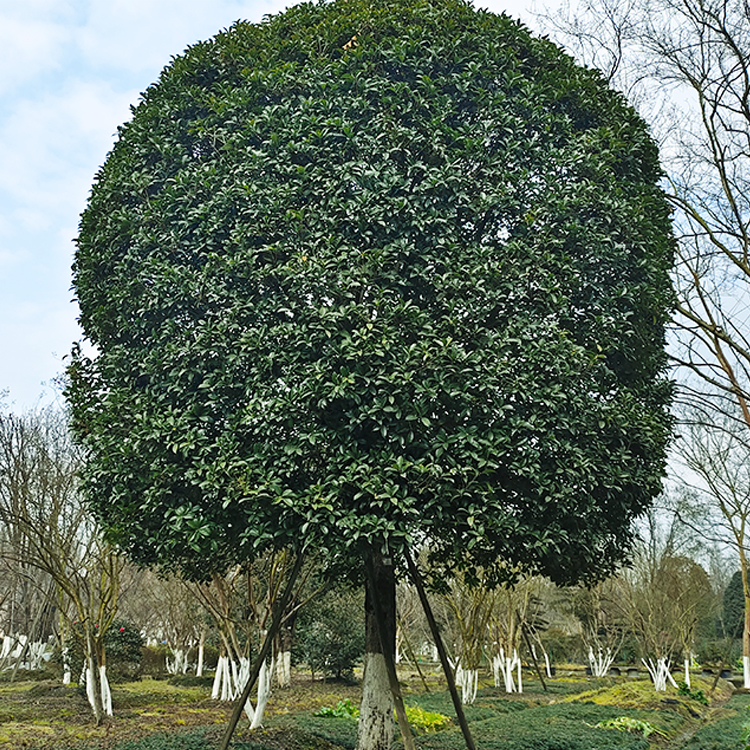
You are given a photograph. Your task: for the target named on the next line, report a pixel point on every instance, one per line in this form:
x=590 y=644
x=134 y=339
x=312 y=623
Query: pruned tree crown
x=370 y=271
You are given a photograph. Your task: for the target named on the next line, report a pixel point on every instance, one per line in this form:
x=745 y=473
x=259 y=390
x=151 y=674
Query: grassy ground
x=158 y=715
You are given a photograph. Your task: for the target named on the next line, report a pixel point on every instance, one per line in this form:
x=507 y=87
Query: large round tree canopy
x=371 y=272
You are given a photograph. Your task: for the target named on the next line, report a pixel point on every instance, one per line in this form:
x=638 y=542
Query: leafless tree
x=686 y=66
x=42 y=511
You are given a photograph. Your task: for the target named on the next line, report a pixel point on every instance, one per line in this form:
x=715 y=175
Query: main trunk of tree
x=746 y=628
x=92 y=674
x=375 y=730
x=284 y=655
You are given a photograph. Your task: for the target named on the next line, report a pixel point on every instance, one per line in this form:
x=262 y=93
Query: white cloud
x=50 y=148
x=142 y=35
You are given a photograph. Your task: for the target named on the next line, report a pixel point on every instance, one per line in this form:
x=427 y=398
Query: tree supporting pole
x=417 y=580
x=390 y=662
x=265 y=648
x=531 y=650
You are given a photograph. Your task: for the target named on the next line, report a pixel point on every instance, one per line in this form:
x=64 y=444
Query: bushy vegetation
x=123 y=646
x=331 y=641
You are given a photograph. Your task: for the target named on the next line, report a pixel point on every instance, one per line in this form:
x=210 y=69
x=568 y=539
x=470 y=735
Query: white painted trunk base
x=660 y=673
x=201 y=653
x=503 y=667
x=90 y=689
x=178 y=665
x=105 y=691
x=746 y=671
x=67 y=676
x=375 y=729
x=264 y=691
x=601 y=662
x=284 y=669
x=467 y=680
x=223 y=686
x=687 y=672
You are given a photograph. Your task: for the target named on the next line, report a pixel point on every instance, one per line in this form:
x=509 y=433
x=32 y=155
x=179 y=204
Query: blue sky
x=69 y=70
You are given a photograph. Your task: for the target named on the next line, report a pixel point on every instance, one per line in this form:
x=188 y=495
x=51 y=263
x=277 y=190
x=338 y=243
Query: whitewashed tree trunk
x=504 y=665
x=20 y=641
x=660 y=673
x=746 y=671
x=264 y=691
x=468 y=680
x=600 y=663
x=547 y=666
x=180 y=663
x=284 y=669
x=93 y=690
x=687 y=671
x=106 y=692
x=496 y=665
x=223 y=687
x=375 y=728
x=90 y=687
x=201 y=653
x=216 y=687
x=518 y=665
x=35 y=654
x=235 y=681
x=66 y=665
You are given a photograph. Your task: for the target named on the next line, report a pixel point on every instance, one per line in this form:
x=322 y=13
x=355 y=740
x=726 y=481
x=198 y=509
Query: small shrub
x=154 y=660
x=629 y=724
x=344 y=710
x=122 y=648
x=332 y=640
x=424 y=722
x=697 y=695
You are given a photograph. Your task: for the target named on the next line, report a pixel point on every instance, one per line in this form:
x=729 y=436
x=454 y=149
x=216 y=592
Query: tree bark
x=746 y=628
x=375 y=729
x=93 y=686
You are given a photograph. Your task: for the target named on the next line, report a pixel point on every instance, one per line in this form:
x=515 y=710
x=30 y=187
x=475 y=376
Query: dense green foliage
x=123 y=647
x=367 y=271
x=733 y=612
x=329 y=639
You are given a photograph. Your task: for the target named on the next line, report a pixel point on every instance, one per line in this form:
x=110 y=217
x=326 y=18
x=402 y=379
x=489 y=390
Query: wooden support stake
x=413 y=658
x=265 y=648
x=531 y=650
x=417 y=580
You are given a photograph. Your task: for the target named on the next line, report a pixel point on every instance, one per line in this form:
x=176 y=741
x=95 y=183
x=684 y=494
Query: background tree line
x=66 y=594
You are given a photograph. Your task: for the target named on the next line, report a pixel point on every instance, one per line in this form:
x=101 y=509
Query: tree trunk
x=201 y=651
x=93 y=687
x=746 y=628
x=376 y=727
x=264 y=691
x=284 y=655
